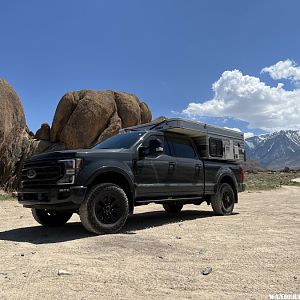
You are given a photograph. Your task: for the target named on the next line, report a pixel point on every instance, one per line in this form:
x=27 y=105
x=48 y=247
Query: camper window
x=215 y=147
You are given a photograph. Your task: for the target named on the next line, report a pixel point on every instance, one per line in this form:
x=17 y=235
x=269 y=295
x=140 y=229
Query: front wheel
x=223 y=202
x=105 y=209
x=51 y=218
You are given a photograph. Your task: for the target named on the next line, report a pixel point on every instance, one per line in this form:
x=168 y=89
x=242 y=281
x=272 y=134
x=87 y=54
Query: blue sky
x=168 y=52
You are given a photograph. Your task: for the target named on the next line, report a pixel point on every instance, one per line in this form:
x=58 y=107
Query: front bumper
x=54 y=197
x=241 y=187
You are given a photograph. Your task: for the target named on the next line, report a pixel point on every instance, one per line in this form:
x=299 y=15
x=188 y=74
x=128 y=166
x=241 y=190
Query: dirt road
x=253 y=253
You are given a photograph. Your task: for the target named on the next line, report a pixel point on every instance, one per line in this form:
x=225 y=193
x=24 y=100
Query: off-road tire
x=51 y=218
x=223 y=202
x=172 y=208
x=105 y=209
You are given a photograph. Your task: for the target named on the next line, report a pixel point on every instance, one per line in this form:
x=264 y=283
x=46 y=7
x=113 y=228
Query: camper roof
x=188 y=127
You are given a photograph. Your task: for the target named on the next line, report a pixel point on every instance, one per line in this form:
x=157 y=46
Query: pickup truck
x=104 y=184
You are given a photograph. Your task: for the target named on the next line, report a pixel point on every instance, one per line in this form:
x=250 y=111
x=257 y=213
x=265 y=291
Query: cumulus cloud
x=246 y=134
x=286 y=69
x=235 y=129
x=249 y=99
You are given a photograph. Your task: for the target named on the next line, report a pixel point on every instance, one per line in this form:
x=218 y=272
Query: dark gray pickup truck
x=136 y=167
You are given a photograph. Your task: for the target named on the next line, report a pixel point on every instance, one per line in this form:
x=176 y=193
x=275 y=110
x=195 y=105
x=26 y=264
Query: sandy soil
x=252 y=253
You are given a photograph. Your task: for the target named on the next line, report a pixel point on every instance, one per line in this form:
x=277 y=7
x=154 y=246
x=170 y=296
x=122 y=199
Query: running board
x=185 y=200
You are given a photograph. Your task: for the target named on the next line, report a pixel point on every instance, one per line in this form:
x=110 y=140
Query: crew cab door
x=155 y=171
x=189 y=173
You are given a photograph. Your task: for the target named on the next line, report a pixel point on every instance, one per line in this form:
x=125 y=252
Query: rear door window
x=182 y=147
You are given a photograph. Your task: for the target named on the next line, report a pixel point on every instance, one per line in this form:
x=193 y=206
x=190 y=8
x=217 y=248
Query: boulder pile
x=85 y=118
x=82 y=119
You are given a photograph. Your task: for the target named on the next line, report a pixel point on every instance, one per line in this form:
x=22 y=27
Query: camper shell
x=212 y=142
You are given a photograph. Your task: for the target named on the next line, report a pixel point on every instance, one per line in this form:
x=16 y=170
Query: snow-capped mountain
x=275 y=150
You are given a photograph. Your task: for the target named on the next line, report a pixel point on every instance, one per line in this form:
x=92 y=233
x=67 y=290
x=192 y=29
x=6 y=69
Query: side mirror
x=156 y=147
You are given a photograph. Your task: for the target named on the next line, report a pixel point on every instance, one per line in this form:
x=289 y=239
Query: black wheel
x=105 y=209
x=223 y=202
x=172 y=208
x=51 y=218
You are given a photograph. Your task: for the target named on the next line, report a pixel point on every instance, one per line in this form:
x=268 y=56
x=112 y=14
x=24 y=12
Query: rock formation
x=43 y=133
x=16 y=145
x=82 y=119
x=87 y=117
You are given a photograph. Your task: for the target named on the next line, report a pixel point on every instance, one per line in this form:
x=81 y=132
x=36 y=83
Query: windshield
x=120 y=141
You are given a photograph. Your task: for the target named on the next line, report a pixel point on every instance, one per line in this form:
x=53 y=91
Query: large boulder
x=65 y=107
x=128 y=107
x=86 y=117
x=43 y=133
x=146 y=115
x=16 y=145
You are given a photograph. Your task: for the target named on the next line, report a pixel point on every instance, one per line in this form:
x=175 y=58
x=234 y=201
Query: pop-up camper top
x=212 y=142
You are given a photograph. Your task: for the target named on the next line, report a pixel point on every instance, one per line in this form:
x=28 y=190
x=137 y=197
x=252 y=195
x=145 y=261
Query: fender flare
x=105 y=169
x=229 y=174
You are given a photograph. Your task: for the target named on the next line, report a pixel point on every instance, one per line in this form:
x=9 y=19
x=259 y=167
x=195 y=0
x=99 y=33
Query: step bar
x=185 y=200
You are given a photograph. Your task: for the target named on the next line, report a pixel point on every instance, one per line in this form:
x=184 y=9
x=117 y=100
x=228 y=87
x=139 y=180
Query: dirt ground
x=253 y=253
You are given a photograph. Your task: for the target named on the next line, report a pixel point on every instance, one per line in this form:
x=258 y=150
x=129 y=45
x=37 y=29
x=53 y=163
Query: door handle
x=172 y=167
x=197 y=169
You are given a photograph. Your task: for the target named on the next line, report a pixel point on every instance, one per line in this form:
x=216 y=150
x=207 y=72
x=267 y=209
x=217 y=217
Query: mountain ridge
x=275 y=150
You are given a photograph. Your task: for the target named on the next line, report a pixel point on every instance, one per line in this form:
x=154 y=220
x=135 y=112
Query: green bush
x=270 y=180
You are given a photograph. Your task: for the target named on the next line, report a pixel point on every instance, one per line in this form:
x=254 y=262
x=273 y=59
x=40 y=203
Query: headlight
x=71 y=168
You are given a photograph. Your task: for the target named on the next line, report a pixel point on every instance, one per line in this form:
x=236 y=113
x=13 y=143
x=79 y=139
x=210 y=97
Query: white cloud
x=249 y=99
x=235 y=129
x=286 y=69
x=246 y=134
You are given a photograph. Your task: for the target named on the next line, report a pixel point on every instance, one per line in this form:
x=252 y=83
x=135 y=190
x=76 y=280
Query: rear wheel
x=51 y=218
x=172 y=208
x=105 y=209
x=223 y=202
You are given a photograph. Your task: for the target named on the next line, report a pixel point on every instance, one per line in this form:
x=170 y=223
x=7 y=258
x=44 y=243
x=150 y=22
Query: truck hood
x=75 y=153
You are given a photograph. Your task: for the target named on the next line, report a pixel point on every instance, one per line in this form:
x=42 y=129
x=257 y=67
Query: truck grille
x=41 y=173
